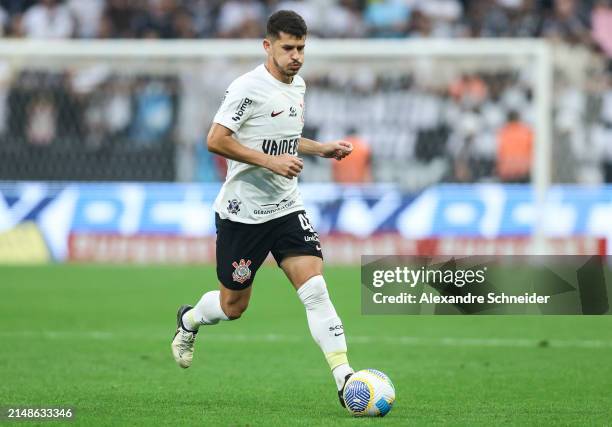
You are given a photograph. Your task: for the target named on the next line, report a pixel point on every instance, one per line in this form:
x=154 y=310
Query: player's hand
x=285 y=165
x=336 y=149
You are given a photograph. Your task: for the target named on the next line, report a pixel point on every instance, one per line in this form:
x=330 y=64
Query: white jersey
x=268 y=116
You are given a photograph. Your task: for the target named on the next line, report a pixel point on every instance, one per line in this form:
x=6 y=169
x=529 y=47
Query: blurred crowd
x=477 y=127
x=104 y=124
x=587 y=22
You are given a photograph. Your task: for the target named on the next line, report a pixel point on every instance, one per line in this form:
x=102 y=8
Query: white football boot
x=182 y=344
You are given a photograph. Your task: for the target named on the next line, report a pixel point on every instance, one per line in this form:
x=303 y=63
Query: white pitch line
x=352 y=339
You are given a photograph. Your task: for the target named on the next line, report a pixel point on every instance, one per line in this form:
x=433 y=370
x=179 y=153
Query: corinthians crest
x=242 y=273
x=233 y=206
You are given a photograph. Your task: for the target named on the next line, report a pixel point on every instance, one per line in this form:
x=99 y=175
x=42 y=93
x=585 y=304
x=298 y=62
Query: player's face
x=286 y=53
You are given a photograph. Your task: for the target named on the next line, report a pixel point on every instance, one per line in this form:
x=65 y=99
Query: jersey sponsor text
x=241 y=109
x=273 y=210
x=274 y=148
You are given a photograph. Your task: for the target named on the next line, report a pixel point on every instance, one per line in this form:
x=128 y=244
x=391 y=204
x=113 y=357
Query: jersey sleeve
x=237 y=106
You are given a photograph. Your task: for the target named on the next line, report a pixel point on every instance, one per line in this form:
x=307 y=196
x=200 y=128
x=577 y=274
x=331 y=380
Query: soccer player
x=259 y=208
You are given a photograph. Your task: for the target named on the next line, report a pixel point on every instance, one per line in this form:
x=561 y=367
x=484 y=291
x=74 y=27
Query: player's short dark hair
x=286 y=21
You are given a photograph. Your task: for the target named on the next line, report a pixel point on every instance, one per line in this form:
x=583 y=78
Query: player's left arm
x=334 y=149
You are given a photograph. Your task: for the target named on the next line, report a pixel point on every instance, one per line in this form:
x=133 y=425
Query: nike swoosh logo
x=276 y=114
x=318 y=247
x=337 y=335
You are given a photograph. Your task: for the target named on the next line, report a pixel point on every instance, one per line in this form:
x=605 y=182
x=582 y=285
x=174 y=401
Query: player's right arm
x=220 y=141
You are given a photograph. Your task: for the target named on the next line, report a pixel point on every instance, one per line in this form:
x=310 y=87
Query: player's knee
x=233 y=310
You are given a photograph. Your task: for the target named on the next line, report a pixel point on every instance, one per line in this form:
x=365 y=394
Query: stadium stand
x=97 y=125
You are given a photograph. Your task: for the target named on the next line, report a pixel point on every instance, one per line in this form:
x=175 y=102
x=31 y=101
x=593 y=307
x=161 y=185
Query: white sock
x=325 y=326
x=207 y=311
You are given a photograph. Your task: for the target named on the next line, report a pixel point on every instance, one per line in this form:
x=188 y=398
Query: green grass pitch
x=97 y=339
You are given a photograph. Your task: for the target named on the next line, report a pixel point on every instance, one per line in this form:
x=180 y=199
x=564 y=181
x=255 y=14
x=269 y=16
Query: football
x=369 y=393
